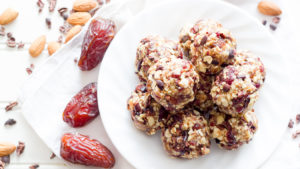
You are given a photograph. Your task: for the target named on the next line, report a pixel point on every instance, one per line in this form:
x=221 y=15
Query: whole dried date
x=83 y=107
x=96 y=40
x=81 y=149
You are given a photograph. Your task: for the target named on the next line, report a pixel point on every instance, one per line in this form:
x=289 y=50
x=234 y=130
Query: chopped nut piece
x=20 y=148
x=291 y=123
x=11 y=105
x=10 y=122
x=34 y=166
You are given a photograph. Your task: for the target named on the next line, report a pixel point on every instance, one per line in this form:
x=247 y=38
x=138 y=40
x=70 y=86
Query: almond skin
x=6 y=148
x=72 y=32
x=79 y=18
x=37 y=46
x=53 y=47
x=8 y=16
x=269 y=8
x=84 y=5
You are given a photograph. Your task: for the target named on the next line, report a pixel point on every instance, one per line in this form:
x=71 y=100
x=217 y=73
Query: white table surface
x=13 y=62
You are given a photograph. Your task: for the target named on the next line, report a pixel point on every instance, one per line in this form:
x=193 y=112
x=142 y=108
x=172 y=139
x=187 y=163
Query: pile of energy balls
x=195 y=90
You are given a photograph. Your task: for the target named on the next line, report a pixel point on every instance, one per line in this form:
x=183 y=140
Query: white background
x=13 y=62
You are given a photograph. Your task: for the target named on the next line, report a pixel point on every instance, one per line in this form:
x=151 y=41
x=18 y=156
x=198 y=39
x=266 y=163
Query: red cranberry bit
x=295 y=135
x=83 y=107
x=159 y=67
x=96 y=40
x=197 y=126
x=29 y=71
x=137 y=108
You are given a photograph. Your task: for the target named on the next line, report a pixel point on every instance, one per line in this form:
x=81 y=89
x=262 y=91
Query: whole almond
x=53 y=47
x=37 y=46
x=269 y=8
x=6 y=148
x=84 y=5
x=72 y=32
x=79 y=18
x=8 y=16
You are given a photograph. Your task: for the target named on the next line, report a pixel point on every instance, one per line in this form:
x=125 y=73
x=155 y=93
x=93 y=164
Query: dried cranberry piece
x=83 y=107
x=96 y=40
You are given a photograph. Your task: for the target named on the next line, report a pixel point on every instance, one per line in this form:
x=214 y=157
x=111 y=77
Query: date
x=81 y=149
x=83 y=107
x=96 y=40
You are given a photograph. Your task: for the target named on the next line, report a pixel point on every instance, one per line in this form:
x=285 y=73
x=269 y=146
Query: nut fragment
x=6 y=148
x=8 y=16
x=269 y=8
x=72 y=32
x=79 y=18
x=84 y=5
x=37 y=46
x=53 y=47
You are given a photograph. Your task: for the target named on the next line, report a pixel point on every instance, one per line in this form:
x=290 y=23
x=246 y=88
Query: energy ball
x=232 y=132
x=233 y=91
x=150 y=50
x=172 y=82
x=208 y=45
x=253 y=67
x=146 y=114
x=186 y=135
x=203 y=100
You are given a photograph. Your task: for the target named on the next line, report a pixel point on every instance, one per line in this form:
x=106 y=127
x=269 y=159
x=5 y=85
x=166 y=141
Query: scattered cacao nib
x=226 y=87
x=10 y=122
x=52 y=156
x=264 y=22
x=40 y=4
x=231 y=54
x=291 y=123
x=60 y=39
x=52 y=4
x=2 y=31
x=203 y=40
x=100 y=2
x=276 y=20
x=21 y=45
x=75 y=60
x=34 y=166
x=273 y=27
x=65 y=16
x=214 y=62
x=11 y=106
x=160 y=84
x=29 y=71
x=297 y=118
x=20 y=148
x=93 y=11
x=2 y=164
x=48 y=23
x=9 y=35
x=11 y=42
x=62 y=10
x=5 y=159
x=295 y=135
x=65 y=28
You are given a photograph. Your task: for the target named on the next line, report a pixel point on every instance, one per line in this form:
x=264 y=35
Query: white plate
x=117 y=80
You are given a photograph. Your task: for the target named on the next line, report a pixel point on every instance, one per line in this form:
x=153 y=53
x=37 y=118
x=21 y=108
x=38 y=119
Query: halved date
x=83 y=107
x=96 y=40
x=81 y=149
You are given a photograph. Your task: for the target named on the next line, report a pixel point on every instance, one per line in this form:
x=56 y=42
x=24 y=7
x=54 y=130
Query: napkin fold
x=47 y=79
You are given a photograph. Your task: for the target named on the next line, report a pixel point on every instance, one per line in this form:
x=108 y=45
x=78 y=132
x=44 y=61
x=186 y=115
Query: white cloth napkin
x=50 y=87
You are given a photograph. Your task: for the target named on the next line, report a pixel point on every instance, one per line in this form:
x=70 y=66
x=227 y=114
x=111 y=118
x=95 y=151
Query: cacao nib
x=10 y=122
x=52 y=156
x=231 y=54
x=214 y=62
x=62 y=10
x=5 y=159
x=11 y=106
x=276 y=20
x=20 y=148
x=48 y=23
x=264 y=22
x=203 y=40
x=34 y=166
x=40 y=4
x=137 y=108
x=291 y=123
x=160 y=84
x=184 y=39
x=196 y=126
x=273 y=27
x=297 y=118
